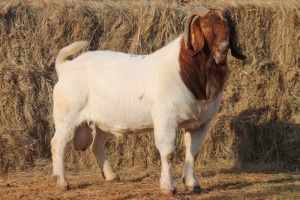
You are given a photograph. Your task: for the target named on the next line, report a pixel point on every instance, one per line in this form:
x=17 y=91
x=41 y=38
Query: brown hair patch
x=200 y=73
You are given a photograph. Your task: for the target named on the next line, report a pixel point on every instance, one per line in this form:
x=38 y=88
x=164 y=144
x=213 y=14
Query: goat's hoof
x=62 y=185
x=114 y=178
x=195 y=189
x=167 y=192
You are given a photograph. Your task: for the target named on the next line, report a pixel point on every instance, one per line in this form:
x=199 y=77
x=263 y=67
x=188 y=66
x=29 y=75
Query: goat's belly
x=124 y=125
x=121 y=119
x=120 y=131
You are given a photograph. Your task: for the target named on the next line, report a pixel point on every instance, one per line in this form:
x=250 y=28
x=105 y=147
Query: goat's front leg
x=193 y=140
x=165 y=134
x=100 y=155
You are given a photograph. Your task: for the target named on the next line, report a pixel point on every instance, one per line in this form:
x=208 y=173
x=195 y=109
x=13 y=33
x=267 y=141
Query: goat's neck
x=199 y=72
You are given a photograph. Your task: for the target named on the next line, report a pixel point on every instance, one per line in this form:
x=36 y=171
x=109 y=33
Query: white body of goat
x=124 y=93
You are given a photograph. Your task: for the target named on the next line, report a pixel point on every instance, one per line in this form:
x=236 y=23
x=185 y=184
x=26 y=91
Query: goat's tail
x=67 y=51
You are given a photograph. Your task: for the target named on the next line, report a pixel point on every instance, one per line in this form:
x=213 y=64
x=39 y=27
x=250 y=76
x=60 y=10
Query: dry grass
x=139 y=183
x=260 y=116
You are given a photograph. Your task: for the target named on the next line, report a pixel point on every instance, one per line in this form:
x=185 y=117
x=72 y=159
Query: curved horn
x=199 y=11
x=233 y=36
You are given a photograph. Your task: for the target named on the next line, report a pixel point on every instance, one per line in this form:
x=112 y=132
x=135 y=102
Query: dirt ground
x=217 y=182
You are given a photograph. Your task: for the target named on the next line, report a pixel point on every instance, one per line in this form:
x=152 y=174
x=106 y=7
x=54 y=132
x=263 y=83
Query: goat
x=178 y=86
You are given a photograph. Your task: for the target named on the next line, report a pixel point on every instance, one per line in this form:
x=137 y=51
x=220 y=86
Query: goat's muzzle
x=220 y=56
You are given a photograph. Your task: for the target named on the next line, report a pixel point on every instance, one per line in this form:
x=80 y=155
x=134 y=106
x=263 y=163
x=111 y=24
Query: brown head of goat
x=208 y=35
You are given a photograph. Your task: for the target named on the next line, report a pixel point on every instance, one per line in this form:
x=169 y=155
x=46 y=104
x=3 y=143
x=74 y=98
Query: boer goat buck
x=178 y=86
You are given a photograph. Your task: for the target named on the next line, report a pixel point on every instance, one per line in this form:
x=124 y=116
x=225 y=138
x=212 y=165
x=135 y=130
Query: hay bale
x=260 y=116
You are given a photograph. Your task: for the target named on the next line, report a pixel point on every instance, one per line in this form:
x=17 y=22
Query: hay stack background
x=260 y=116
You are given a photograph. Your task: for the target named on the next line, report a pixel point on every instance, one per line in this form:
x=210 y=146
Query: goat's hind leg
x=58 y=146
x=99 y=151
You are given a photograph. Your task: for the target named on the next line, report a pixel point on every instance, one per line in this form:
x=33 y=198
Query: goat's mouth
x=221 y=59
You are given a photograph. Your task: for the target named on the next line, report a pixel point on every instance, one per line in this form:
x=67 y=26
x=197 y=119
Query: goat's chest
x=201 y=113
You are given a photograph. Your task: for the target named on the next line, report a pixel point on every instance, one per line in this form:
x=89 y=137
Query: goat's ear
x=197 y=38
x=233 y=44
x=233 y=36
x=193 y=36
